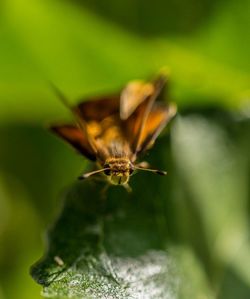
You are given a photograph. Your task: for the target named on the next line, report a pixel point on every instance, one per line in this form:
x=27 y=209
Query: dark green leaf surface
x=168 y=239
x=113 y=247
x=113 y=252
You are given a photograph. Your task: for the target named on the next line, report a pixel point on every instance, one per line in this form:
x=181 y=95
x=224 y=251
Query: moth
x=114 y=131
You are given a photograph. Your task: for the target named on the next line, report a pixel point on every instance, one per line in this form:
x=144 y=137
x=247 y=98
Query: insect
x=113 y=131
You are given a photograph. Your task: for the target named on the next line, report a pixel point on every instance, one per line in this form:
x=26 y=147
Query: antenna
x=88 y=174
x=60 y=95
x=156 y=171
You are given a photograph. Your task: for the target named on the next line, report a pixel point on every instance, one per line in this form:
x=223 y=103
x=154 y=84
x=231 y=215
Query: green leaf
x=169 y=238
x=116 y=247
x=110 y=247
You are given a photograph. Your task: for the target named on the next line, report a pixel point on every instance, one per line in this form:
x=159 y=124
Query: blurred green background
x=89 y=47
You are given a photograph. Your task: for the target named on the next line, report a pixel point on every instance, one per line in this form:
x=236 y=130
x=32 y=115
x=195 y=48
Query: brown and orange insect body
x=119 y=170
x=112 y=131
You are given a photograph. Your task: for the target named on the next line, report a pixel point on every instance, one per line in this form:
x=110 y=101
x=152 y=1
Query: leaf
x=121 y=246
x=170 y=238
x=110 y=248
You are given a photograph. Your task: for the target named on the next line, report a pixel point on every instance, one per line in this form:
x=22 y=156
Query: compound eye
x=107 y=171
x=131 y=170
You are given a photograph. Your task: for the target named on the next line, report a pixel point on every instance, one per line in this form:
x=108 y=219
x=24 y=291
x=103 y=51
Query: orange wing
x=98 y=108
x=101 y=131
x=158 y=118
x=136 y=92
x=98 y=133
x=134 y=125
x=133 y=95
x=75 y=136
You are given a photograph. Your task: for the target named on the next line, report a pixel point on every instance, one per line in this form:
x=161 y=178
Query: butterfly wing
x=136 y=92
x=98 y=108
x=135 y=124
x=102 y=123
x=75 y=137
x=157 y=119
x=133 y=95
x=96 y=118
x=99 y=124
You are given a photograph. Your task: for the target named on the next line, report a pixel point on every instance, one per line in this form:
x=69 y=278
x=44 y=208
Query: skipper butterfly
x=113 y=131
